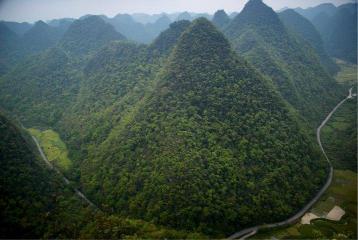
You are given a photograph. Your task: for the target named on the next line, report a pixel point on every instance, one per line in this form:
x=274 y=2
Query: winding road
x=51 y=166
x=248 y=232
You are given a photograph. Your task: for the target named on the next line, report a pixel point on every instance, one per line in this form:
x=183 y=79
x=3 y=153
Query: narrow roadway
x=51 y=166
x=248 y=232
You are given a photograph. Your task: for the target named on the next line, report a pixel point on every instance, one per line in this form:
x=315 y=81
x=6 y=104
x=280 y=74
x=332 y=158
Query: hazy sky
x=33 y=10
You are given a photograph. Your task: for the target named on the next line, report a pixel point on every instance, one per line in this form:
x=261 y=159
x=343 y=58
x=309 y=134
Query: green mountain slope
x=342 y=41
x=40 y=88
x=305 y=29
x=35 y=202
x=133 y=30
x=215 y=130
x=165 y=42
x=339 y=31
x=40 y=37
x=9 y=42
x=18 y=28
x=33 y=197
x=154 y=29
x=311 y=12
x=258 y=34
x=114 y=80
x=221 y=19
x=88 y=34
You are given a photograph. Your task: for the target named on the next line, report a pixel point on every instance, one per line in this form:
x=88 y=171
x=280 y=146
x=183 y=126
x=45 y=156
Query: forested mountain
x=338 y=28
x=233 y=15
x=61 y=24
x=33 y=197
x=154 y=29
x=18 y=28
x=39 y=89
x=121 y=110
x=8 y=42
x=339 y=32
x=167 y=39
x=208 y=130
x=16 y=47
x=36 y=203
x=258 y=34
x=133 y=30
x=145 y=18
x=184 y=16
x=305 y=29
x=311 y=12
x=46 y=84
x=221 y=19
x=195 y=133
x=40 y=37
x=88 y=34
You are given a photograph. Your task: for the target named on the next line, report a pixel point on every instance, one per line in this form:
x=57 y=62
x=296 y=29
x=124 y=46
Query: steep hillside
x=18 y=28
x=212 y=129
x=184 y=16
x=154 y=29
x=114 y=80
x=133 y=30
x=88 y=35
x=311 y=12
x=339 y=31
x=165 y=42
x=35 y=202
x=40 y=88
x=40 y=37
x=305 y=29
x=33 y=197
x=221 y=19
x=258 y=34
x=342 y=41
x=9 y=42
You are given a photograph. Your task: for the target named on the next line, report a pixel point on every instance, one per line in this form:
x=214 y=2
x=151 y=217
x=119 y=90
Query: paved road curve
x=245 y=233
x=51 y=166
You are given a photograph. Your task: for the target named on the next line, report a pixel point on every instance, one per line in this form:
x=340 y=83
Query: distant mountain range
x=338 y=28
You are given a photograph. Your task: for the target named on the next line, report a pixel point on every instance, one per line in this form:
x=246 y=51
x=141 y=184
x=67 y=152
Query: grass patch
x=347 y=74
x=339 y=136
x=54 y=148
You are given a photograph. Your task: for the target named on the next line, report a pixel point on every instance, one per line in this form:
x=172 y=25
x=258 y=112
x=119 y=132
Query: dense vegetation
x=15 y=46
x=207 y=132
x=305 y=29
x=340 y=135
x=339 y=138
x=40 y=88
x=221 y=20
x=88 y=34
x=339 y=31
x=342 y=192
x=258 y=34
x=181 y=133
x=36 y=203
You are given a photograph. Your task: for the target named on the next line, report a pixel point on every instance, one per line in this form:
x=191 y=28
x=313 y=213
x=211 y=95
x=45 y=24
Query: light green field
x=347 y=74
x=342 y=192
x=52 y=145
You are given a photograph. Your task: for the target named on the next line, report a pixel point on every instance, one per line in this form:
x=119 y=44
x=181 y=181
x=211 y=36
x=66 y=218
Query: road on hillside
x=245 y=233
x=51 y=166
